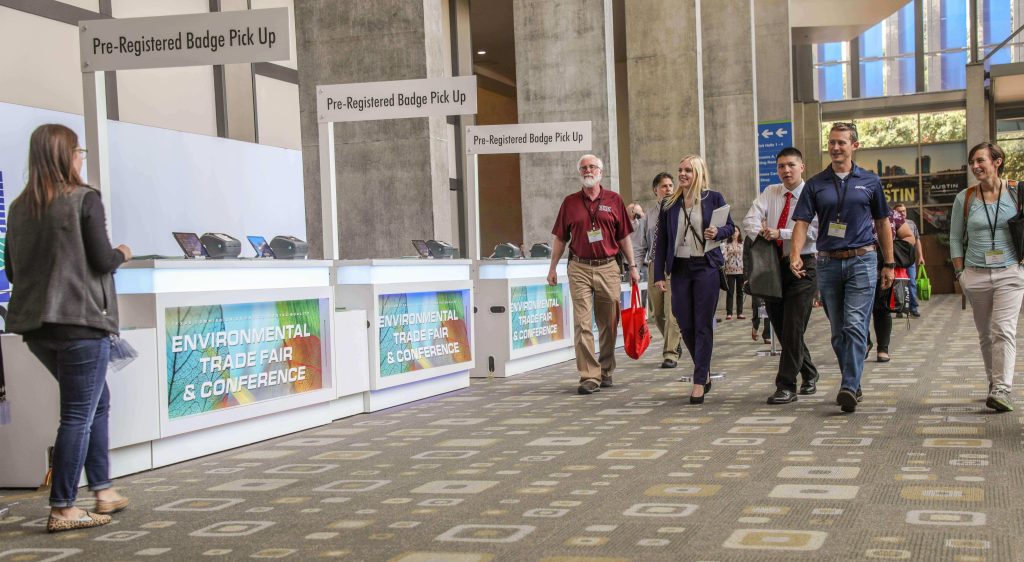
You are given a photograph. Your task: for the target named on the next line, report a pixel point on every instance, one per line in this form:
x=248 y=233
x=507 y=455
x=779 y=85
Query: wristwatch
x=890 y=265
x=632 y=265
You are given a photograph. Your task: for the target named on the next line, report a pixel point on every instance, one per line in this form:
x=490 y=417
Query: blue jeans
x=848 y=293
x=80 y=367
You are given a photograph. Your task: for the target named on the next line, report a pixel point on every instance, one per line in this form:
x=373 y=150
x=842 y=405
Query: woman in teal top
x=988 y=267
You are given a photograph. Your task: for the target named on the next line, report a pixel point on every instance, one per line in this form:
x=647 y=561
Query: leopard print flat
x=55 y=525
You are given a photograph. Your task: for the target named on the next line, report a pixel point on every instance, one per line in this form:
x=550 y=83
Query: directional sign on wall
x=772 y=137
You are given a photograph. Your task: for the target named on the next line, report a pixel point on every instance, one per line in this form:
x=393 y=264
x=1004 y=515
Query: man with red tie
x=771 y=218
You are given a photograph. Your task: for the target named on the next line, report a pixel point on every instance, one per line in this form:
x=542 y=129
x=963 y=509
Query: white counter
x=420 y=334
x=524 y=323
x=231 y=352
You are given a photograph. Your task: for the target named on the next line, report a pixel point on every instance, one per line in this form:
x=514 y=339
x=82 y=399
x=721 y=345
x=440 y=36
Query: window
x=831 y=64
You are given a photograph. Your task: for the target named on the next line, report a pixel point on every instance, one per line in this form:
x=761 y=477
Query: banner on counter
x=572 y=136
x=423 y=330
x=396 y=99
x=222 y=356
x=186 y=40
x=537 y=314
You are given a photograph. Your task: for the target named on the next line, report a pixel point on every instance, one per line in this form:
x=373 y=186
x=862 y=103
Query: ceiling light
x=481 y=52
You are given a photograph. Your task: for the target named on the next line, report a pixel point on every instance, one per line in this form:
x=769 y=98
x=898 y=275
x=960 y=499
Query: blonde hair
x=701 y=182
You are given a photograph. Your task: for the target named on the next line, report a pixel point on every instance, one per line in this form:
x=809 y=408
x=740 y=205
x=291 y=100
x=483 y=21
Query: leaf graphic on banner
x=183 y=368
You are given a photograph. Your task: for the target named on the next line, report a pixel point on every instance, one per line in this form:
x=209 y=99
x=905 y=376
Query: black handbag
x=1016 y=224
x=904 y=253
x=763 y=268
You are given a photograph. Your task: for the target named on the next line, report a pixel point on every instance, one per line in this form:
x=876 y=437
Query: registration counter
x=524 y=323
x=230 y=353
x=419 y=334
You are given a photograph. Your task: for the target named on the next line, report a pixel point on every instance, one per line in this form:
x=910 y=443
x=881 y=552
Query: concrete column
x=807 y=135
x=565 y=71
x=665 y=102
x=774 y=60
x=393 y=175
x=730 y=94
x=979 y=125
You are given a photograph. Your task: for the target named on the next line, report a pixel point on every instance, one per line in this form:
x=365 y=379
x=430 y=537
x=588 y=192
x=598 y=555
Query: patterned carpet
x=525 y=469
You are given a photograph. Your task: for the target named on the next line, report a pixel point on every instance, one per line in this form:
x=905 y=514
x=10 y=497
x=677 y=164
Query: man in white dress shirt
x=771 y=218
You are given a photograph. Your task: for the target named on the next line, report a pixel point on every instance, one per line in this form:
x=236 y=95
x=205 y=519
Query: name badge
x=837 y=229
x=595 y=235
x=995 y=257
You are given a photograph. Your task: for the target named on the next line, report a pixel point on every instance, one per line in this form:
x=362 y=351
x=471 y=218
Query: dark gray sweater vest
x=53 y=281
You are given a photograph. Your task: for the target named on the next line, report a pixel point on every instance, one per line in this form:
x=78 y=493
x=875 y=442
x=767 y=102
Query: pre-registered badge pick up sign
x=397 y=99
x=571 y=136
x=188 y=40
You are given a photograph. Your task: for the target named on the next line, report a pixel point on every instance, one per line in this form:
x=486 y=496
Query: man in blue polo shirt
x=847 y=199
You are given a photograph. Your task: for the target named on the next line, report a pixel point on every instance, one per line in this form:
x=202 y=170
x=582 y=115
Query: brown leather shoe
x=56 y=525
x=588 y=387
x=106 y=508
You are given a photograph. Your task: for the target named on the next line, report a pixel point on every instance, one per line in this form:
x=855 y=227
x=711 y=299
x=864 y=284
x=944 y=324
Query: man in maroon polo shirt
x=594 y=224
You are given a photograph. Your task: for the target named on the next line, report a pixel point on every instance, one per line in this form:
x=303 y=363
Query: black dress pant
x=789 y=318
x=734 y=282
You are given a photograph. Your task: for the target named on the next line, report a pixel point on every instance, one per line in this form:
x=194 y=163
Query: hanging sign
x=188 y=40
x=397 y=99
x=573 y=136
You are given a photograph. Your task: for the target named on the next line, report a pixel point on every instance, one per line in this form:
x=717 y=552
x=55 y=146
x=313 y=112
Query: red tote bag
x=635 y=332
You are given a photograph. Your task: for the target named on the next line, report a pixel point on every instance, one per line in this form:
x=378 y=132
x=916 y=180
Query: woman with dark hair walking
x=988 y=266
x=60 y=264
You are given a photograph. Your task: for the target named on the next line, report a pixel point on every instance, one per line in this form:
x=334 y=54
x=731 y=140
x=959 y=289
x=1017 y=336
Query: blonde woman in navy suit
x=694 y=273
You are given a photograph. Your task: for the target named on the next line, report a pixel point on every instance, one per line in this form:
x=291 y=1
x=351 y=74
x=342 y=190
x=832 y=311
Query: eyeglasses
x=589 y=167
x=83 y=152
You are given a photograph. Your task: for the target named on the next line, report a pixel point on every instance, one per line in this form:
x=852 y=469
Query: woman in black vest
x=60 y=264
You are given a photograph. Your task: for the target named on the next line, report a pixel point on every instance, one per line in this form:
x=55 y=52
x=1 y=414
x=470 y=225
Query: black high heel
x=696 y=399
x=707 y=387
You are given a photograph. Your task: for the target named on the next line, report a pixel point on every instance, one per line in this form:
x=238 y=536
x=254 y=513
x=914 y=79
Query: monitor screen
x=190 y=244
x=421 y=247
x=261 y=246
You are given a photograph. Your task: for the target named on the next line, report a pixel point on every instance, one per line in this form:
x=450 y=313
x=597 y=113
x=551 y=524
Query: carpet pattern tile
x=526 y=469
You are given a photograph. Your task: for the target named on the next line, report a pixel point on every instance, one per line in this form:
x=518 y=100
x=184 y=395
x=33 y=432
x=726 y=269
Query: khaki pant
x=995 y=296
x=595 y=296
x=661 y=310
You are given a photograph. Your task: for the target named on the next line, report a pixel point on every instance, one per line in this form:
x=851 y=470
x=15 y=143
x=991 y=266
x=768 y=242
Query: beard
x=591 y=182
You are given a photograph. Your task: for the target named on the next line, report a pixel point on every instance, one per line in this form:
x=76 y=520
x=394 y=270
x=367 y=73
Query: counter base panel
x=522 y=365
x=347 y=406
x=186 y=446
x=397 y=395
x=128 y=460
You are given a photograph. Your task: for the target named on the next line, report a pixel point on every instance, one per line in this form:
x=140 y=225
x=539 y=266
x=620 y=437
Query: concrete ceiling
x=828 y=21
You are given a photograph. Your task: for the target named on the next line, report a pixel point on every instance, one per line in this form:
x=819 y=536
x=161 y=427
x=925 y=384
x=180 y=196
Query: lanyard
x=840 y=194
x=992 y=225
x=586 y=205
x=697 y=239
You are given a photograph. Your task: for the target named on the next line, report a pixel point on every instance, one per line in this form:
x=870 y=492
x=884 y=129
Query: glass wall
x=886 y=54
x=832 y=65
